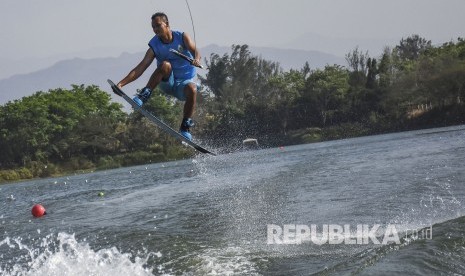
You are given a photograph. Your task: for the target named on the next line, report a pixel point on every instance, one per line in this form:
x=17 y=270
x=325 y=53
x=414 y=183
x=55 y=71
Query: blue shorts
x=175 y=87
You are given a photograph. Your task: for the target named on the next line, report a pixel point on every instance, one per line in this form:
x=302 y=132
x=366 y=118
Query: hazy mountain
x=340 y=46
x=25 y=65
x=287 y=58
x=64 y=73
x=97 y=70
x=11 y=67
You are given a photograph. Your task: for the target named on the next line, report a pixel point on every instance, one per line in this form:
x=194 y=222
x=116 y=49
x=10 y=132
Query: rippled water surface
x=212 y=215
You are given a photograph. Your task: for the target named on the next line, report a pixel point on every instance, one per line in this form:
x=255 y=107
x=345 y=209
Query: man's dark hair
x=162 y=15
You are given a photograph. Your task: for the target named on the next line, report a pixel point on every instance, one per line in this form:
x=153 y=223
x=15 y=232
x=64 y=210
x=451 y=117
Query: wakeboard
x=157 y=121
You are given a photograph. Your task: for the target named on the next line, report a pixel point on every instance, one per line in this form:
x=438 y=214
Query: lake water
x=252 y=213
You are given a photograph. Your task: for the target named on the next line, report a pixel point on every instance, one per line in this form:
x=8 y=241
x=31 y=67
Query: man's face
x=159 y=26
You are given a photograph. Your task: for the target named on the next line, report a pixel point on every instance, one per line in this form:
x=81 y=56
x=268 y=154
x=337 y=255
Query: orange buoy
x=38 y=211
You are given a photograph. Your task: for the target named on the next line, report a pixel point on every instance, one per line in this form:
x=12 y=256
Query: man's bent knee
x=190 y=90
x=164 y=68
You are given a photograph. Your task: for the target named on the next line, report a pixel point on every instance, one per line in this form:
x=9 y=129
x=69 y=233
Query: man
x=174 y=74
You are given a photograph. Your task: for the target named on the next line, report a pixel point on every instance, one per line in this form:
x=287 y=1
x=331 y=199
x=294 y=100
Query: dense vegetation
x=63 y=131
x=412 y=85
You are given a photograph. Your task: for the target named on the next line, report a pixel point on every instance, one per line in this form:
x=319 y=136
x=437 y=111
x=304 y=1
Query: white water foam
x=225 y=261
x=69 y=257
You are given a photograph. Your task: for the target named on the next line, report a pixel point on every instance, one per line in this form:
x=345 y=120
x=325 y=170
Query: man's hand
x=196 y=63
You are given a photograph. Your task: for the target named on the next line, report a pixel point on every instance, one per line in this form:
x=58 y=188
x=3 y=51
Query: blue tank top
x=182 y=69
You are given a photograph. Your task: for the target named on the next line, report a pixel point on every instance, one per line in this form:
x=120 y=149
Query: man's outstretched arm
x=139 y=69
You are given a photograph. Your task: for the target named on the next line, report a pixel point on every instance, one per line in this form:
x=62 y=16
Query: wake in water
x=442 y=252
x=62 y=254
x=209 y=216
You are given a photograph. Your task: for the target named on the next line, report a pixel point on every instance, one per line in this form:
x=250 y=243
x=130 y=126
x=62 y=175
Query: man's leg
x=190 y=90
x=161 y=73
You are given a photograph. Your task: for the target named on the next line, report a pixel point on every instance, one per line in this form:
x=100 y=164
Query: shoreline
x=297 y=137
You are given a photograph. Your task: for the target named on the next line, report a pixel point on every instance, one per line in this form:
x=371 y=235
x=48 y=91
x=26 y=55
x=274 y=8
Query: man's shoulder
x=153 y=39
x=178 y=33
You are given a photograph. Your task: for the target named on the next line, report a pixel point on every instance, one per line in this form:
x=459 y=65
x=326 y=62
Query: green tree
x=282 y=92
x=372 y=73
x=38 y=127
x=217 y=76
x=236 y=81
x=412 y=47
x=358 y=66
x=386 y=69
x=328 y=89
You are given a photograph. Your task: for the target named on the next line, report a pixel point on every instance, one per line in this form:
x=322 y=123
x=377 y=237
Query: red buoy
x=38 y=210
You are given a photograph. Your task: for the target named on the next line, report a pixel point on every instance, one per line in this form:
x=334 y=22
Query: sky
x=58 y=29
